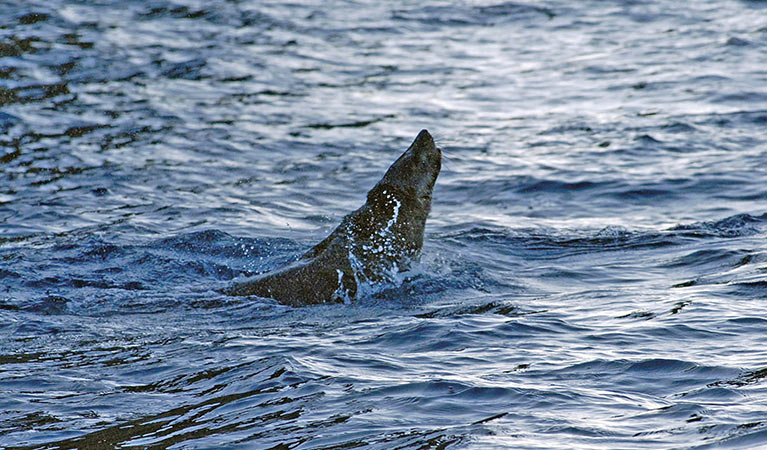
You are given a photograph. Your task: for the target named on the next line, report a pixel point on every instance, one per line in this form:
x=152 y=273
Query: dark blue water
x=594 y=273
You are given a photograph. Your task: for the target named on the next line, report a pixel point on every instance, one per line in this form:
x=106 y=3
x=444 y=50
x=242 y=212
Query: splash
x=383 y=243
x=341 y=293
x=386 y=234
x=397 y=204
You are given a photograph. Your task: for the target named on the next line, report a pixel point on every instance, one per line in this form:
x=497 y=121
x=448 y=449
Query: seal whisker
x=446 y=161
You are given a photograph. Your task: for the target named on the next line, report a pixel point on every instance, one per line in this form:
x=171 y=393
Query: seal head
x=370 y=245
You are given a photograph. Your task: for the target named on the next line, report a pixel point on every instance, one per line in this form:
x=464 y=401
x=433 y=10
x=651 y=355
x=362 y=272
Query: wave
x=464 y=15
x=735 y=226
x=607 y=238
x=80 y=265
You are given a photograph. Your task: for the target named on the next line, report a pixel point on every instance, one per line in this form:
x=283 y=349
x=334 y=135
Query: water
x=594 y=271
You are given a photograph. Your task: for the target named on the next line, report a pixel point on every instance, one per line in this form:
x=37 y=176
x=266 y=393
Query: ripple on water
x=596 y=248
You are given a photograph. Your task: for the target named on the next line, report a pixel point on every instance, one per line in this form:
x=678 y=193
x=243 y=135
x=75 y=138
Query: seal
x=371 y=244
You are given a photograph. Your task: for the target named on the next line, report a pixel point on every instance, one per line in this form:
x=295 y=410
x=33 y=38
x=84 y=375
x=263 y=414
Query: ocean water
x=594 y=273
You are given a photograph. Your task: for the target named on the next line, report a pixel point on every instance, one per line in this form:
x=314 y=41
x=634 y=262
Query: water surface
x=594 y=272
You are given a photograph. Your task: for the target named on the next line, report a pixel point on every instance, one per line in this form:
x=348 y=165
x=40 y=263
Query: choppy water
x=595 y=267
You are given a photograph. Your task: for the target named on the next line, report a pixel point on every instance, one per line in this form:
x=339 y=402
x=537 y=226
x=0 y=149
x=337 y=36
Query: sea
x=594 y=268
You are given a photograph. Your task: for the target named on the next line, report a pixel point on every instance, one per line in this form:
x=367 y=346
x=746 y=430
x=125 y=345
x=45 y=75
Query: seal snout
x=424 y=148
x=424 y=138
